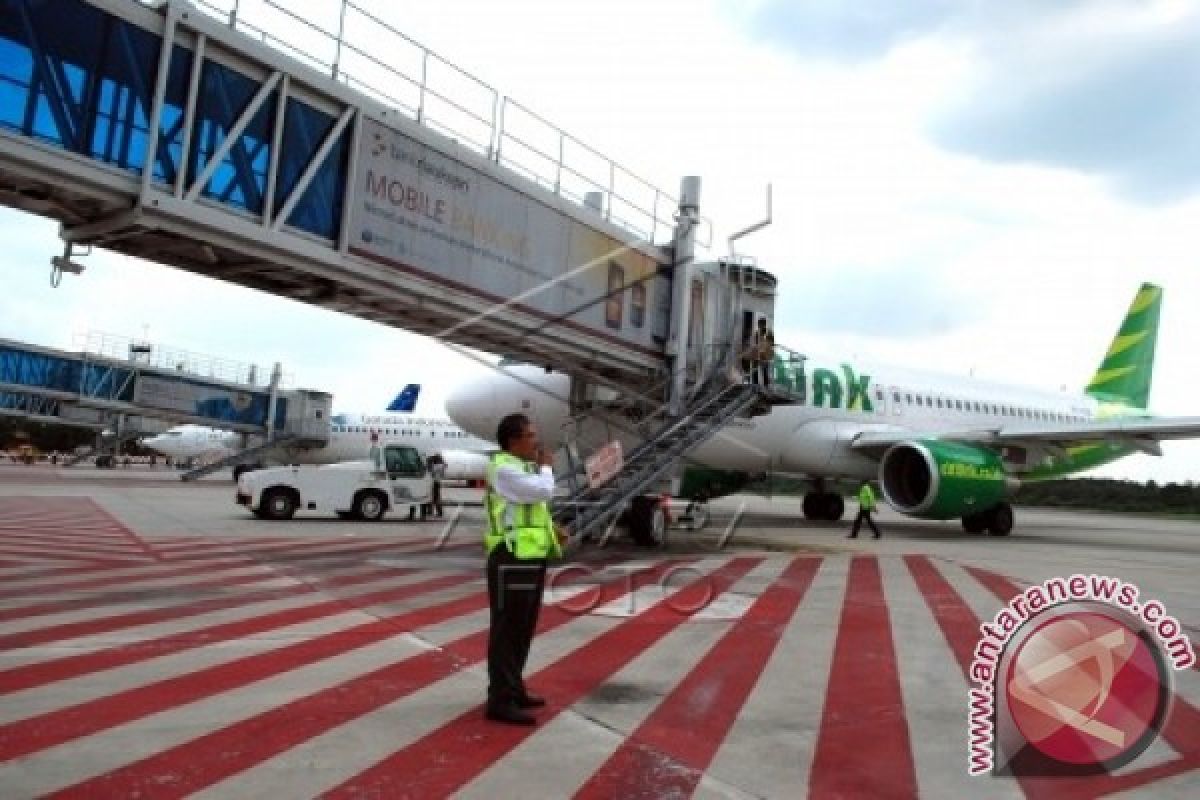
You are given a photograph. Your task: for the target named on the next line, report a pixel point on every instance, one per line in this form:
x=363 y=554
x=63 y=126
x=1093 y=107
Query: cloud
x=861 y=30
x=900 y=303
x=1127 y=110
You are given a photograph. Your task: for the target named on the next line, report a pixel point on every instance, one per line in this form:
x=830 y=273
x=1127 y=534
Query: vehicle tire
x=369 y=506
x=648 y=522
x=834 y=507
x=1000 y=520
x=975 y=523
x=812 y=506
x=278 y=503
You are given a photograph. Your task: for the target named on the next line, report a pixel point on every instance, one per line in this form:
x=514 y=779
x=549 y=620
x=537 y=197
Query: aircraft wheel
x=648 y=522
x=834 y=507
x=812 y=506
x=1000 y=520
x=975 y=523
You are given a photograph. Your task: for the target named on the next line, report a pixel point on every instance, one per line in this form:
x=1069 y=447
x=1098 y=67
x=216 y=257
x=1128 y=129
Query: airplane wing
x=1142 y=434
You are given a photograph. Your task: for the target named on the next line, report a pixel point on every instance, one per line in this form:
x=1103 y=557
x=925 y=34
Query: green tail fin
x=1124 y=376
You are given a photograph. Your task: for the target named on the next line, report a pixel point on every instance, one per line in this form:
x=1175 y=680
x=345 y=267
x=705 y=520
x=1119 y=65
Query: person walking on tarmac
x=866 y=506
x=764 y=353
x=520 y=538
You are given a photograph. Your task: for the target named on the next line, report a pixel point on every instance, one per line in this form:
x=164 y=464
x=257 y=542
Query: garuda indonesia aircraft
x=941 y=447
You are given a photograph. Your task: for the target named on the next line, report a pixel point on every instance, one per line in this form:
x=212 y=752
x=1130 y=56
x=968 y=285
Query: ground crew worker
x=437 y=470
x=764 y=352
x=866 y=506
x=520 y=538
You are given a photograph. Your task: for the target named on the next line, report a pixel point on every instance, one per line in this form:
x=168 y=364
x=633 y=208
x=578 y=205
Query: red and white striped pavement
x=300 y=666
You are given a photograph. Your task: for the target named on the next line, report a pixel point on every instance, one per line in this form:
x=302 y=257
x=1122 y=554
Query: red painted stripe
x=863 y=749
x=204 y=761
x=443 y=761
x=1181 y=731
x=116 y=598
x=130 y=536
x=92 y=564
x=61 y=551
x=86 y=518
x=194 y=568
x=669 y=752
x=45 y=672
x=67 y=537
x=19 y=739
x=132 y=619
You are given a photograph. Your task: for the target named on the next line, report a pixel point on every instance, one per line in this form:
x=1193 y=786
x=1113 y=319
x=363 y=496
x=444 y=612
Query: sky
x=969 y=187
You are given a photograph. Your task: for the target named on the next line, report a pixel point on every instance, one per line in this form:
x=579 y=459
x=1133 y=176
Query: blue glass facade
x=83 y=80
x=79 y=376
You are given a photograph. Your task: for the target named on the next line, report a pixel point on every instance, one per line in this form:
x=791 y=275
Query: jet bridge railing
x=418 y=81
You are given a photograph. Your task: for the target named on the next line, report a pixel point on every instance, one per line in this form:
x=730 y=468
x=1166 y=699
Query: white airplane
x=941 y=447
x=193 y=442
x=351 y=439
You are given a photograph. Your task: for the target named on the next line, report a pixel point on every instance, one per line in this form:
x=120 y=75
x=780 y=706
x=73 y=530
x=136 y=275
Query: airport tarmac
x=158 y=641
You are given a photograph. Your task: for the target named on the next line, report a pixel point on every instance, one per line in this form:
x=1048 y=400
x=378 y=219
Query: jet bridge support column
x=684 y=254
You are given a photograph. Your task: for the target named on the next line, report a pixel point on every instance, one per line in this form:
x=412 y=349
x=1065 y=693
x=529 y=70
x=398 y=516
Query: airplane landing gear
x=997 y=521
x=825 y=506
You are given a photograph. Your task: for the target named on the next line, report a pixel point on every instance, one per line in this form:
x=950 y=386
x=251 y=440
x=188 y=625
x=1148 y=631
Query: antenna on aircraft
x=753 y=228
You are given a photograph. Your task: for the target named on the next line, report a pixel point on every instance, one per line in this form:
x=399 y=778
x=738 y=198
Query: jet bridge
x=277 y=153
x=92 y=391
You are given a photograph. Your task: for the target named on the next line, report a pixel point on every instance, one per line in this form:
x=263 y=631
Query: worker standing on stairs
x=764 y=353
x=520 y=539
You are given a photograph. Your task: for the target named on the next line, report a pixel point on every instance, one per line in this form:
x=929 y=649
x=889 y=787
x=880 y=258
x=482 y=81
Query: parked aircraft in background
x=351 y=438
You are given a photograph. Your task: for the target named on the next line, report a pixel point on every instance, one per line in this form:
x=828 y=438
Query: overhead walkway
x=309 y=167
x=91 y=391
x=276 y=153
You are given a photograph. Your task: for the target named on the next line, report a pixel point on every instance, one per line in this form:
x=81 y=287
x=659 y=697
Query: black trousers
x=514 y=599
x=863 y=515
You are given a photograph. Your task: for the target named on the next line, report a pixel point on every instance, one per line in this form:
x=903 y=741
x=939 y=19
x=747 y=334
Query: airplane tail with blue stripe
x=406 y=401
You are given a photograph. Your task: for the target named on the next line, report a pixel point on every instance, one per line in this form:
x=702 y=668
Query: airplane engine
x=465 y=466
x=934 y=479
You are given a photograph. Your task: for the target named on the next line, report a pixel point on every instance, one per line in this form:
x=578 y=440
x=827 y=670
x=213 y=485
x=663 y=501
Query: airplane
x=351 y=438
x=941 y=447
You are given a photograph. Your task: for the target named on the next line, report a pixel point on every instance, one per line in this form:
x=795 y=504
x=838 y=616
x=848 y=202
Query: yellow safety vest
x=866 y=498
x=527 y=527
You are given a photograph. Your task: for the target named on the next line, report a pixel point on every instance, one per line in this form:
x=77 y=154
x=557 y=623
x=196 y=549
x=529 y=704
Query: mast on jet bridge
x=684 y=246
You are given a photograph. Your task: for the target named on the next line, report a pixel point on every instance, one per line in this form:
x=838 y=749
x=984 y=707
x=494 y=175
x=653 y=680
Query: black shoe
x=877 y=536
x=530 y=701
x=510 y=715
x=852 y=536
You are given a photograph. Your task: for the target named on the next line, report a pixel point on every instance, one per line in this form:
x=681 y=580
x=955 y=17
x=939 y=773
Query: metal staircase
x=586 y=510
x=240 y=457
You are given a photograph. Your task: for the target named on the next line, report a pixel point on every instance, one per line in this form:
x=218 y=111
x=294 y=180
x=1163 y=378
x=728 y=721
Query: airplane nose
x=472 y=407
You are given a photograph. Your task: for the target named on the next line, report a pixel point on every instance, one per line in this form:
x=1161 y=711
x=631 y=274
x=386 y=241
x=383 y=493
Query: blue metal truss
x=83 y=80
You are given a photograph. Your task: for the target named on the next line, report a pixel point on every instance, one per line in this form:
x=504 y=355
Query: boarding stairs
x=588 y=510
x=249 y=455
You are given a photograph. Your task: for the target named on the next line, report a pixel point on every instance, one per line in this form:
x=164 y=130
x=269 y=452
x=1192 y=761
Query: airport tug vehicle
x=396 y=480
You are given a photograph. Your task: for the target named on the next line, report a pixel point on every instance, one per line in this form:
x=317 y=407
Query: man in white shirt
x=520 y=538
